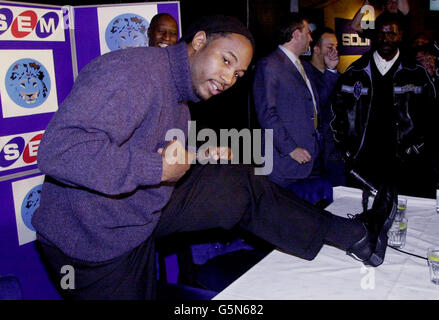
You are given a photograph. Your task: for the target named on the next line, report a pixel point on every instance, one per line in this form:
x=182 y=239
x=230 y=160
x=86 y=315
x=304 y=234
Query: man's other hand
x=300 y=155
x=176 y=161
x=331 y=59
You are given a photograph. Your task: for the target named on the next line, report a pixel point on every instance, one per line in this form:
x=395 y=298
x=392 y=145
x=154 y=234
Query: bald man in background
x=163 y=31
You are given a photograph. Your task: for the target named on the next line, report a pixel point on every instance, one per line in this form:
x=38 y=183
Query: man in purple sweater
x=110 y=191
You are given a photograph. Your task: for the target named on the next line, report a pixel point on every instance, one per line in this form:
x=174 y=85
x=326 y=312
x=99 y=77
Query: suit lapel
x=291 y=67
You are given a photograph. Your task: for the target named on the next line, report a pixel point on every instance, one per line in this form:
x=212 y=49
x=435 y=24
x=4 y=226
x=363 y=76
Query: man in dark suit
x=323 y=73
x=287 y=102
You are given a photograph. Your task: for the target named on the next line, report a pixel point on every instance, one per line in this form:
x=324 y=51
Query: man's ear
x=295 y=34
x=199 y=40
x=316 y=50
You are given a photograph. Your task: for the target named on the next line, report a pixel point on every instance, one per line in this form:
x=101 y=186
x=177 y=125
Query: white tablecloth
x=334 y=275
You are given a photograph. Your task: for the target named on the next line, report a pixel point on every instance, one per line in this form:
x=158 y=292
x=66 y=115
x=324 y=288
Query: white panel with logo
x=25 y=24
x=29 y=85
x=26 y=195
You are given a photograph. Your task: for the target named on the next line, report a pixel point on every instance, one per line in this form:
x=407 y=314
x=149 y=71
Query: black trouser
x=207 y=197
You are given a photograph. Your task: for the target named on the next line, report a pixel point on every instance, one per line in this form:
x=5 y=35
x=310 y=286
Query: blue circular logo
x=30 y=203
x=126 y=31
x=27 y=83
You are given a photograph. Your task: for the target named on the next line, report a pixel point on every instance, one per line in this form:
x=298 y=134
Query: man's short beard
x=199 y=95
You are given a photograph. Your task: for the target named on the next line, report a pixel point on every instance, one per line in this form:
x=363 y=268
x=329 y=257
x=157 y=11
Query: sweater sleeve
x=265 y=89
x=87 y=141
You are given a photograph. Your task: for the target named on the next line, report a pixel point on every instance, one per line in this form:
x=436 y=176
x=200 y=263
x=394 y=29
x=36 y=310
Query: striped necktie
x=303 y=74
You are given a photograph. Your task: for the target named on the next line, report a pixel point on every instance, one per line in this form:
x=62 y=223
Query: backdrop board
x=39 y=60
x=18 y=255
x=350 y=43
x=36 y=75
x=103 y=28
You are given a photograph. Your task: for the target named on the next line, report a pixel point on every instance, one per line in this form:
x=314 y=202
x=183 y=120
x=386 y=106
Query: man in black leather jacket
x=384 y=110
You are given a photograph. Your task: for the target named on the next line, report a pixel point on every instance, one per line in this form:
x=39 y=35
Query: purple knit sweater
x=101 y=145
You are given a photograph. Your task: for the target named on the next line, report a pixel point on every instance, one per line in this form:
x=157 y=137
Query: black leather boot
x=371 y=249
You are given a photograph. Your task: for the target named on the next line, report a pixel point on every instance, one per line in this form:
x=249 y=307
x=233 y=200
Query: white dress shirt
x=382 y=64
